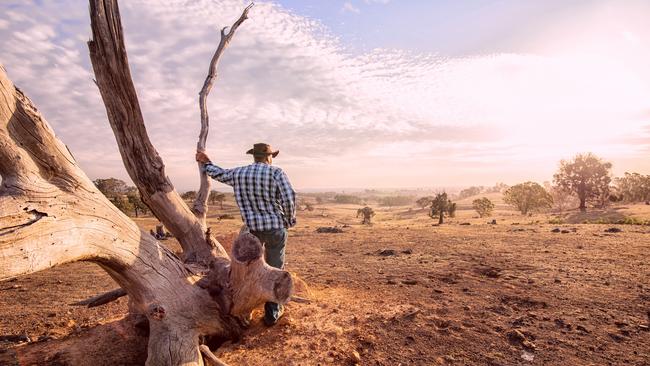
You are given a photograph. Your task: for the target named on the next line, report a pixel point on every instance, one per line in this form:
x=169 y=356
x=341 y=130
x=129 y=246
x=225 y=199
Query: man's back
x=263 y=193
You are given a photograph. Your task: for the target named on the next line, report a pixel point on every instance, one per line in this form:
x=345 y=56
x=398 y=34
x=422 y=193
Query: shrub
x=527 y=197
x=483 y=206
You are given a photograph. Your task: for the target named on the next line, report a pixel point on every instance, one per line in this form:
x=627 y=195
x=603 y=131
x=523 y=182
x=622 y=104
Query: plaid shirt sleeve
x=287 y=197
x=222 y=175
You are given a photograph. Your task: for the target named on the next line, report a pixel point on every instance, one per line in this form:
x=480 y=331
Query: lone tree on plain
x=424 y=202
x=528 y=197
x=51 y=213
x=133 y=196
x=367 y=213
x=217 y=197
x=483 y=206
x=441 y=205
x=189 y=195
x=587 y=176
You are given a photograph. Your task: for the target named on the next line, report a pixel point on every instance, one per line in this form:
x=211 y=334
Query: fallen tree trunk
x=51 y=213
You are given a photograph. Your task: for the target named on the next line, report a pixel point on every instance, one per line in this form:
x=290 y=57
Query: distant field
x=404 y=292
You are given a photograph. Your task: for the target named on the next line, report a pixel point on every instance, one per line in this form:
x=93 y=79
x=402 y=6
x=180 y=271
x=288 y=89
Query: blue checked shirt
x=263 y=193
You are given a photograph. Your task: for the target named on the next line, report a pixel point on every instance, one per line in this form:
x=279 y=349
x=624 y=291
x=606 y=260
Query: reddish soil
x=402 y=292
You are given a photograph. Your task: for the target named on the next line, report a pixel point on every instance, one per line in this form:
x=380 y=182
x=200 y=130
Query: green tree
x=633 y=187
x=469 y=192
x=391 y=201
x=587 y=176
x=116 y=191
x=528 y=197
x=424 y=202
x=441 y=205
x=346 y=198
x=217 y=197
x=367 y=213
x=483 y=206
x=111 y=187
x=133 y=196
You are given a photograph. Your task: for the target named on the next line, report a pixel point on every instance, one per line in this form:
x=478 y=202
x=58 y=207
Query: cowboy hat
x=262 y=149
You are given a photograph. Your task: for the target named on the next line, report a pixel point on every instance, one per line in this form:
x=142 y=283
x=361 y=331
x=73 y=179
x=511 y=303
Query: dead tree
x=51 y=213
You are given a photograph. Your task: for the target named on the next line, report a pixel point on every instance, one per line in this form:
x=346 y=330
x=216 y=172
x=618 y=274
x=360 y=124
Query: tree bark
x=51 y=213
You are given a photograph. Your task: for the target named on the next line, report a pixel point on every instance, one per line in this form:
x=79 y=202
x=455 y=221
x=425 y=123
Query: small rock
x=387 y=252
x=407 y=251
x=556 y=230
x=465 y=224
x=613 y=230
x=527 y=356
x=355 y=357
x=410 y=282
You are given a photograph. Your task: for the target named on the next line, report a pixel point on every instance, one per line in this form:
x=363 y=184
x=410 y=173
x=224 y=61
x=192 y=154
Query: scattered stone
x=557 y=280
x=410 y=282
x=613 y=230
x=582 y=329
x=355 y=357
x=565 y=231
x=493 y=222
x=407 y=251
x=556 y=230
x=527 y=356
x=465 y=224
x=616 y=337
x=387 y=252
x=516 y=337
x=329 y=230
x=391 y=282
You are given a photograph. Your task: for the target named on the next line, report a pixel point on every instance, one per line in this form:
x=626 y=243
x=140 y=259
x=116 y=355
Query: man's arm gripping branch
x=214 y=171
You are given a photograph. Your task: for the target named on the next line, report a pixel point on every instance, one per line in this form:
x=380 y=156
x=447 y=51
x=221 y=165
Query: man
x=266 y=201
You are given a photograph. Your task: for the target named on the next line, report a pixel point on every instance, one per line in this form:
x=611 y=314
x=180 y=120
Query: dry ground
x=404 y=292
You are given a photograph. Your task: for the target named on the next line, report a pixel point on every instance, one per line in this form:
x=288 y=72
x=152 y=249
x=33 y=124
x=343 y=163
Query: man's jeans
x=274 y=242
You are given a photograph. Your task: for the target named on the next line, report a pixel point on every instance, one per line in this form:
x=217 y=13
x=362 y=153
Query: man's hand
x=202 y=157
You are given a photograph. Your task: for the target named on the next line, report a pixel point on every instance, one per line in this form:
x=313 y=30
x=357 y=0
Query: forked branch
x=141 y=160
x=200 y=207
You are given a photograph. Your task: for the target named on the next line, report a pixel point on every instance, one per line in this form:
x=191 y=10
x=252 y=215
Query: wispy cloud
x=383 y=118
x=348 y=7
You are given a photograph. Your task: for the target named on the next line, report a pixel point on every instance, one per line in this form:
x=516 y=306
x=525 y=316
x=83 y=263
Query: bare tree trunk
x=51 y=213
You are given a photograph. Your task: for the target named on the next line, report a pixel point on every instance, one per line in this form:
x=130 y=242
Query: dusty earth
x=399 y=292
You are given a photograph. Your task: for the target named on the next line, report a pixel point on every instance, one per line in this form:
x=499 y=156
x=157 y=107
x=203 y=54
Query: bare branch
x=101 y=299
x=211 y=357
x=200 y=207
x=141 y=160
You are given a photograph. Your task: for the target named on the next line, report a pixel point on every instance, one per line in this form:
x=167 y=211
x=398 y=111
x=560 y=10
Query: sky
x=359 y=93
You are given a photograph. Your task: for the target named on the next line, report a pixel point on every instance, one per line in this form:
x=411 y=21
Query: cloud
x=382 y=118
x=349 y=8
